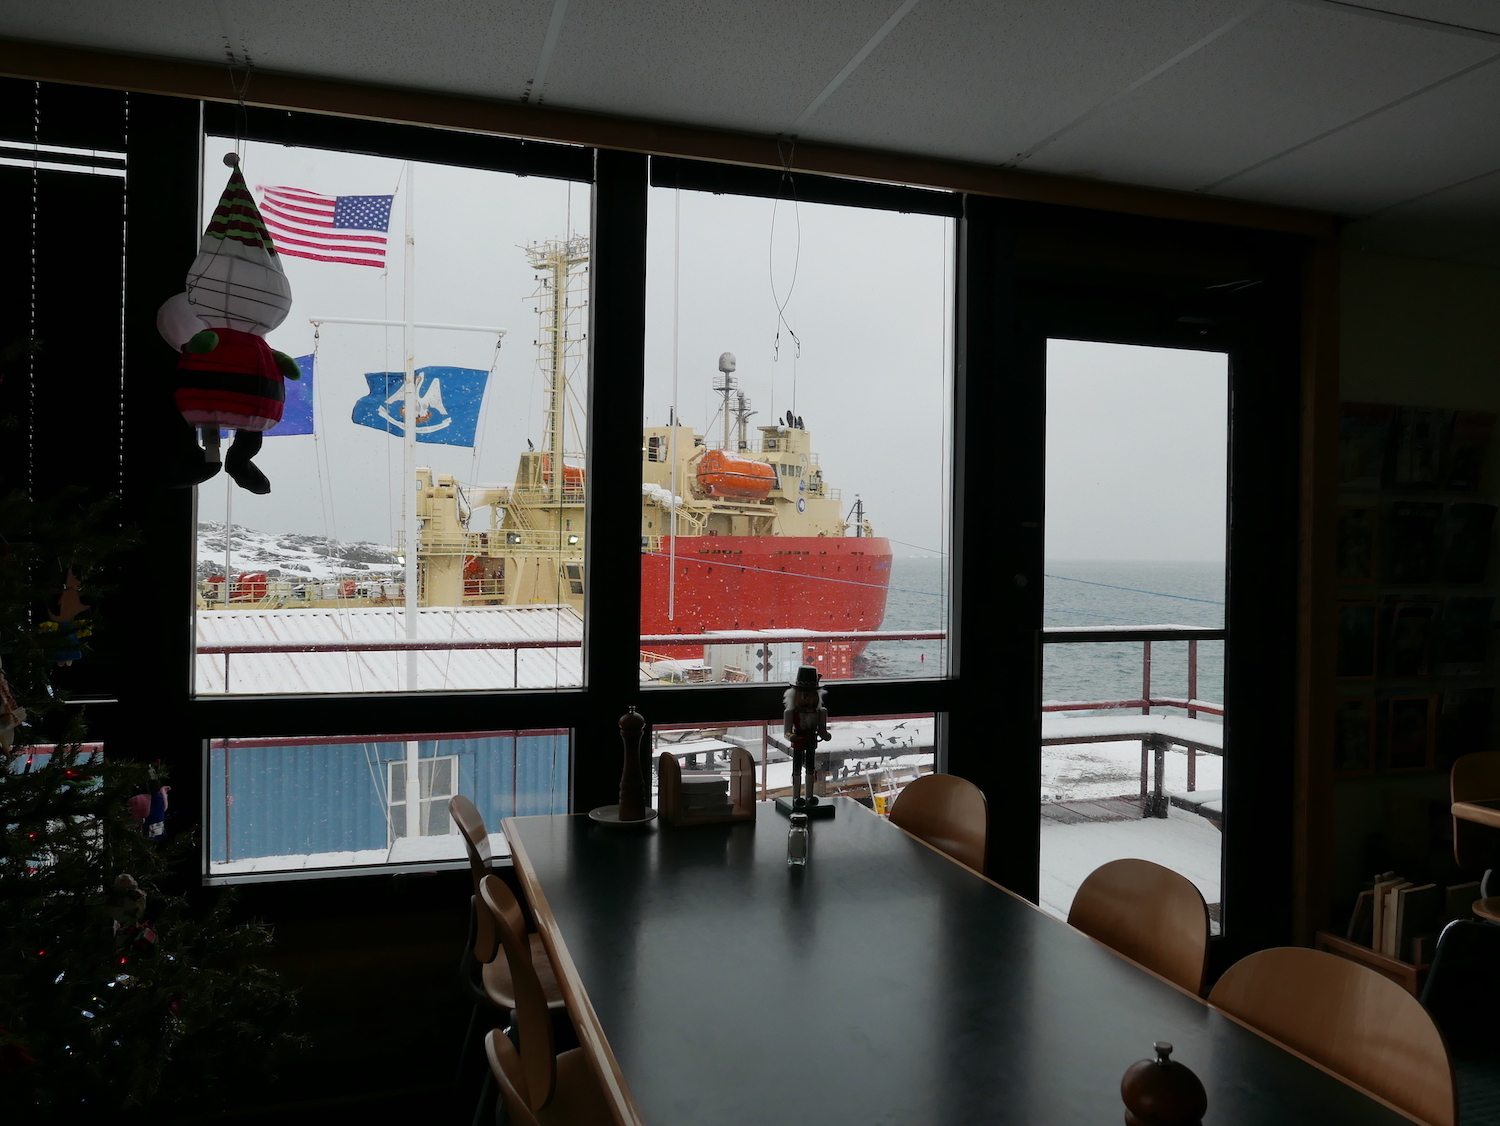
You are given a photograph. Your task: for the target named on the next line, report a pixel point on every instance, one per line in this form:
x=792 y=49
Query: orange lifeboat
x=573 y=475
x=723 y=475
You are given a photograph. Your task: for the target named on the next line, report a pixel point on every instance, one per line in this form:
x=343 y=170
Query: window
x=459 y=294
x=306 y=804
x=427 y=791
x=869 y=758
x=794 y=496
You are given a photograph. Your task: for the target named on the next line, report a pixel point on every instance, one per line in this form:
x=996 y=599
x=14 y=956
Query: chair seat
x=1488 y=909
x=495 y=977
x=579 y=1100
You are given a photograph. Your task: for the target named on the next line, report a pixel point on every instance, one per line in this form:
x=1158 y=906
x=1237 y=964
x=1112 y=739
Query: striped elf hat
x=236 y=217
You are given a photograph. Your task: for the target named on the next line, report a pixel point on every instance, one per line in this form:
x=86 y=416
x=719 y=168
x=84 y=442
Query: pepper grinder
x=1162 y=1092
x=632 y=810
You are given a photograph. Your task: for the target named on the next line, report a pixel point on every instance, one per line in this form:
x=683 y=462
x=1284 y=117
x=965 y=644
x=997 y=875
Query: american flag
x=328 y=228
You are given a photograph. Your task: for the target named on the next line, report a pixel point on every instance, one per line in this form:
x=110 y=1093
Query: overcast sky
x=1136 y=436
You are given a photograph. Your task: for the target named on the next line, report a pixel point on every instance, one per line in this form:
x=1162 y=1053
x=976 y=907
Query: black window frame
x=987 y=703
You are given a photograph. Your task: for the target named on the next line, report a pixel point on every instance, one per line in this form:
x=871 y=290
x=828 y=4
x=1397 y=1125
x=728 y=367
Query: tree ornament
x=67 y=632
x=125 y=901
x=228 y=377
x=12 y=715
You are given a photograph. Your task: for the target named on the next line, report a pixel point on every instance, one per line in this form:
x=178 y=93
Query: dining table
x=712 y=984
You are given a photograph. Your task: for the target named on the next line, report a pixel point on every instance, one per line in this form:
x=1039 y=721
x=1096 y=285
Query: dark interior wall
x=62 y=276
x=1422 y=333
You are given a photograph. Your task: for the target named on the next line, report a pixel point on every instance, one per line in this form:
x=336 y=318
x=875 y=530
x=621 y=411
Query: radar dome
x=726 y=362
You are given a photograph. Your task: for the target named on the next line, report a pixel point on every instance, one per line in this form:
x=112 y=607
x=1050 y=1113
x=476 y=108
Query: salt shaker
x=798 y=841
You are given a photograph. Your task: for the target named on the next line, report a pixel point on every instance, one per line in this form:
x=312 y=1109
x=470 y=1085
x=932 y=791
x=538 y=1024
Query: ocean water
x=1077 y=593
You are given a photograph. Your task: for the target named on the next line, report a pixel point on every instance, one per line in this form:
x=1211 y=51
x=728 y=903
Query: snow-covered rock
x=293 y=554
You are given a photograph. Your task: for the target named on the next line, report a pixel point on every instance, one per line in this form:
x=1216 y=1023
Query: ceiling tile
x=736 y=65
x=1440 y=138
x=1461 y=224
x=1282 y=77
x=477 y=47
x=981 y=81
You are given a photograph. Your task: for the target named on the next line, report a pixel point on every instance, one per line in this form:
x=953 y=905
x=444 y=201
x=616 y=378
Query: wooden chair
x=1150 y=914
x=948 y=813
x=487 y=977
x=1348 y=1018
x=540 y=1087
x=1476 y=829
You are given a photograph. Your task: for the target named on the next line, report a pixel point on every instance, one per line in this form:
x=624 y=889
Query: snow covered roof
x=454 y=669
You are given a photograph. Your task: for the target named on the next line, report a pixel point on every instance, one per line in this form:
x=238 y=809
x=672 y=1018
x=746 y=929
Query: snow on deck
x=405 y=850
x=386 y=671
x=1181 y=841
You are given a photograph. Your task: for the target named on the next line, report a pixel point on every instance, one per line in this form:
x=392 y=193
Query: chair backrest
x=1148 y=913
x=1348 y=1018
x=1476 y=777
x=533 y=1022
x=948 y=813
x=477 y=844
x=1462 y=991
x=510 y=1077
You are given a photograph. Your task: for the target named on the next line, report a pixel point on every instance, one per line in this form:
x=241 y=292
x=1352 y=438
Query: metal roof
x=466 y=669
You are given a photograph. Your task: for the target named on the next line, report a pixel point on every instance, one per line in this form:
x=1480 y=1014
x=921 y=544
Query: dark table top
x=882 y=984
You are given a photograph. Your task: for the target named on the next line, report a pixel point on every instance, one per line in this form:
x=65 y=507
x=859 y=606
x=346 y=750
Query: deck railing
x=1147 y=636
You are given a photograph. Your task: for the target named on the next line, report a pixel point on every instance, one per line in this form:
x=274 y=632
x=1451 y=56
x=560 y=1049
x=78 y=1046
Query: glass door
x=1133 y=696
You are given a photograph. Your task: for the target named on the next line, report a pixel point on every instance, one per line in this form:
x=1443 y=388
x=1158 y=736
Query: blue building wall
x=281 y=801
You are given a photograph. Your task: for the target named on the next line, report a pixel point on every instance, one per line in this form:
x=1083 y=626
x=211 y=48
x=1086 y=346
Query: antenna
x=728 y=385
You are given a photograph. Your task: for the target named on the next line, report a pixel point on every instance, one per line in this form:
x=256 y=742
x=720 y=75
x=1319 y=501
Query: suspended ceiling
x=1387 y=113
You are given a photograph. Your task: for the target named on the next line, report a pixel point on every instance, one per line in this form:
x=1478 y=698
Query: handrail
x=399 y=645
x=1067 y=635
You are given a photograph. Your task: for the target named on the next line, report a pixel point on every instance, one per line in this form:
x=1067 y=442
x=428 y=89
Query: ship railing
x=273 y=593
x=499 y=542
x=539 y=495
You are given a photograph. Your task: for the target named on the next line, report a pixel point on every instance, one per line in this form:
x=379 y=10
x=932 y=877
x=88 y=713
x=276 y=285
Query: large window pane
x=1132 y=762
x=870 y=758
x=298 y=804
x=461 y=537
x=795 y=454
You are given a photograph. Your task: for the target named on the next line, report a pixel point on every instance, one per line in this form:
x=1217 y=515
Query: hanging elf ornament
x=65 y=632
x=228 y=377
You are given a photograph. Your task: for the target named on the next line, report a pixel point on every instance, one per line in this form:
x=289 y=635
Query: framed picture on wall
x=1355 y=659
x=1411 y=733
x=1354 y=736
x=1356 y=544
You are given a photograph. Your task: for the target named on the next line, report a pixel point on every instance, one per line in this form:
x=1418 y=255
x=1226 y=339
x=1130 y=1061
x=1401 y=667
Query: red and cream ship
x=744 y=533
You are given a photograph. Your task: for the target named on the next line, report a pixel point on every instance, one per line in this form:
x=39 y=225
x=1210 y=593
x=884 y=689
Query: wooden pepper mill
x=632 y=784
x=632 y=812
x=1162 y=1092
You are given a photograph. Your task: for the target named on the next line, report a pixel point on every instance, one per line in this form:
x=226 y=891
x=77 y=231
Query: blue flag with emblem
x=297 y=413
x=448 y=402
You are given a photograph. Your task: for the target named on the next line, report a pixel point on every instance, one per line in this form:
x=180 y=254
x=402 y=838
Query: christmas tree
x=113 y=995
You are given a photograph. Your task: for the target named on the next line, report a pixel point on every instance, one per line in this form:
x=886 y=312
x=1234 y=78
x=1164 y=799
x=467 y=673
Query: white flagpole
x=409 y=435
x=409 y=490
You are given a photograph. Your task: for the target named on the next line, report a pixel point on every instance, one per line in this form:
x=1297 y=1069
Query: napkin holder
x=741 y=791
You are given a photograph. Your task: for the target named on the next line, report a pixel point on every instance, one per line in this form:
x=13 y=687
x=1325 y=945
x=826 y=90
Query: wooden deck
x=1101 y=809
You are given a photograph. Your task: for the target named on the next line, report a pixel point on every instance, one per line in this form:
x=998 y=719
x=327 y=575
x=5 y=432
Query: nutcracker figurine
x=805 y=723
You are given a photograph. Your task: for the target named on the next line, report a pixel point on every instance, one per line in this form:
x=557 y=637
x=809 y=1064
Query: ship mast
x=557 y=263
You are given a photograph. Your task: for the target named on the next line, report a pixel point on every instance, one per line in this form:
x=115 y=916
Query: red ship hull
x=819 y=583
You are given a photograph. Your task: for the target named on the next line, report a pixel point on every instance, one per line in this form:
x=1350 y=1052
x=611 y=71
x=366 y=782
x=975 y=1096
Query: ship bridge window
x=574 y=574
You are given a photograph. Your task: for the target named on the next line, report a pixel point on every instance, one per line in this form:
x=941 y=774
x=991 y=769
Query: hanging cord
x=786 y=150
